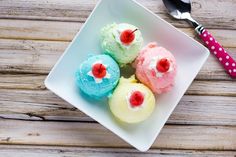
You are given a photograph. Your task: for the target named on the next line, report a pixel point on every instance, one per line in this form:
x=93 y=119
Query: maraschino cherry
x=99 y=70
x=127 y=36
x=163 y=65
x=136 y=99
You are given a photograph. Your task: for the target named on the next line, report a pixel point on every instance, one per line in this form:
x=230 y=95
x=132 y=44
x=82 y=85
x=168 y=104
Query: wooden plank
x=25 y=29
x=65 y=31
x=205 y=110
x=22 y=81
x=198 y=87
x=44 y=105
x=220 y=88
x=35 y=56
x=52 y=151
x=94 y=135
x=40 y=56
x=206 y=12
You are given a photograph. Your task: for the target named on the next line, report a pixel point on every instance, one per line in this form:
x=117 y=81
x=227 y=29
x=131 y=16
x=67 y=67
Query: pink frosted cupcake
x=156 y=68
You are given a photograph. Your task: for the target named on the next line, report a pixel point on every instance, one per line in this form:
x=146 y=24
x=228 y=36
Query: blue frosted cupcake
x=98 y=76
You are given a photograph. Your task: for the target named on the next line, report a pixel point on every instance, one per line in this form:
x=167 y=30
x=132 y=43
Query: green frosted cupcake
x=122 y=42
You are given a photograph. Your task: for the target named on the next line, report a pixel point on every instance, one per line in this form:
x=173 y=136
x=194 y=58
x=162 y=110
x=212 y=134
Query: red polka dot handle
x=225 y=59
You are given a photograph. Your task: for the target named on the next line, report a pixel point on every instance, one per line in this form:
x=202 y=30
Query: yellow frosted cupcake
x=131 y=102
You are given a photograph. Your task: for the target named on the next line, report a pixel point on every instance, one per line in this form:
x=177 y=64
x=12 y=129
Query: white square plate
x=190 y=56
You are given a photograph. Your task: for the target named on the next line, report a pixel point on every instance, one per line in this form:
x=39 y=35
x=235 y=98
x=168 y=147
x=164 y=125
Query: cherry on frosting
x=163 y=65
x=127 y=36
x=136 y=99
x=99 y=70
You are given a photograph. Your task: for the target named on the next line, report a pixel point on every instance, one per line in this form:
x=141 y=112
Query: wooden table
x=35 y=122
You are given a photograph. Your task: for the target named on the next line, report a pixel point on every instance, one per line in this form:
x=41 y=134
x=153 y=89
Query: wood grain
x=27 y=29
x=65 y=31
x=206 y=12
x=217 y=88
x=29 y=56
x=52 y=151
x=94 y=135
x=22 y=81
x=198 y=87
x=38 y=57
x=44 y=105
